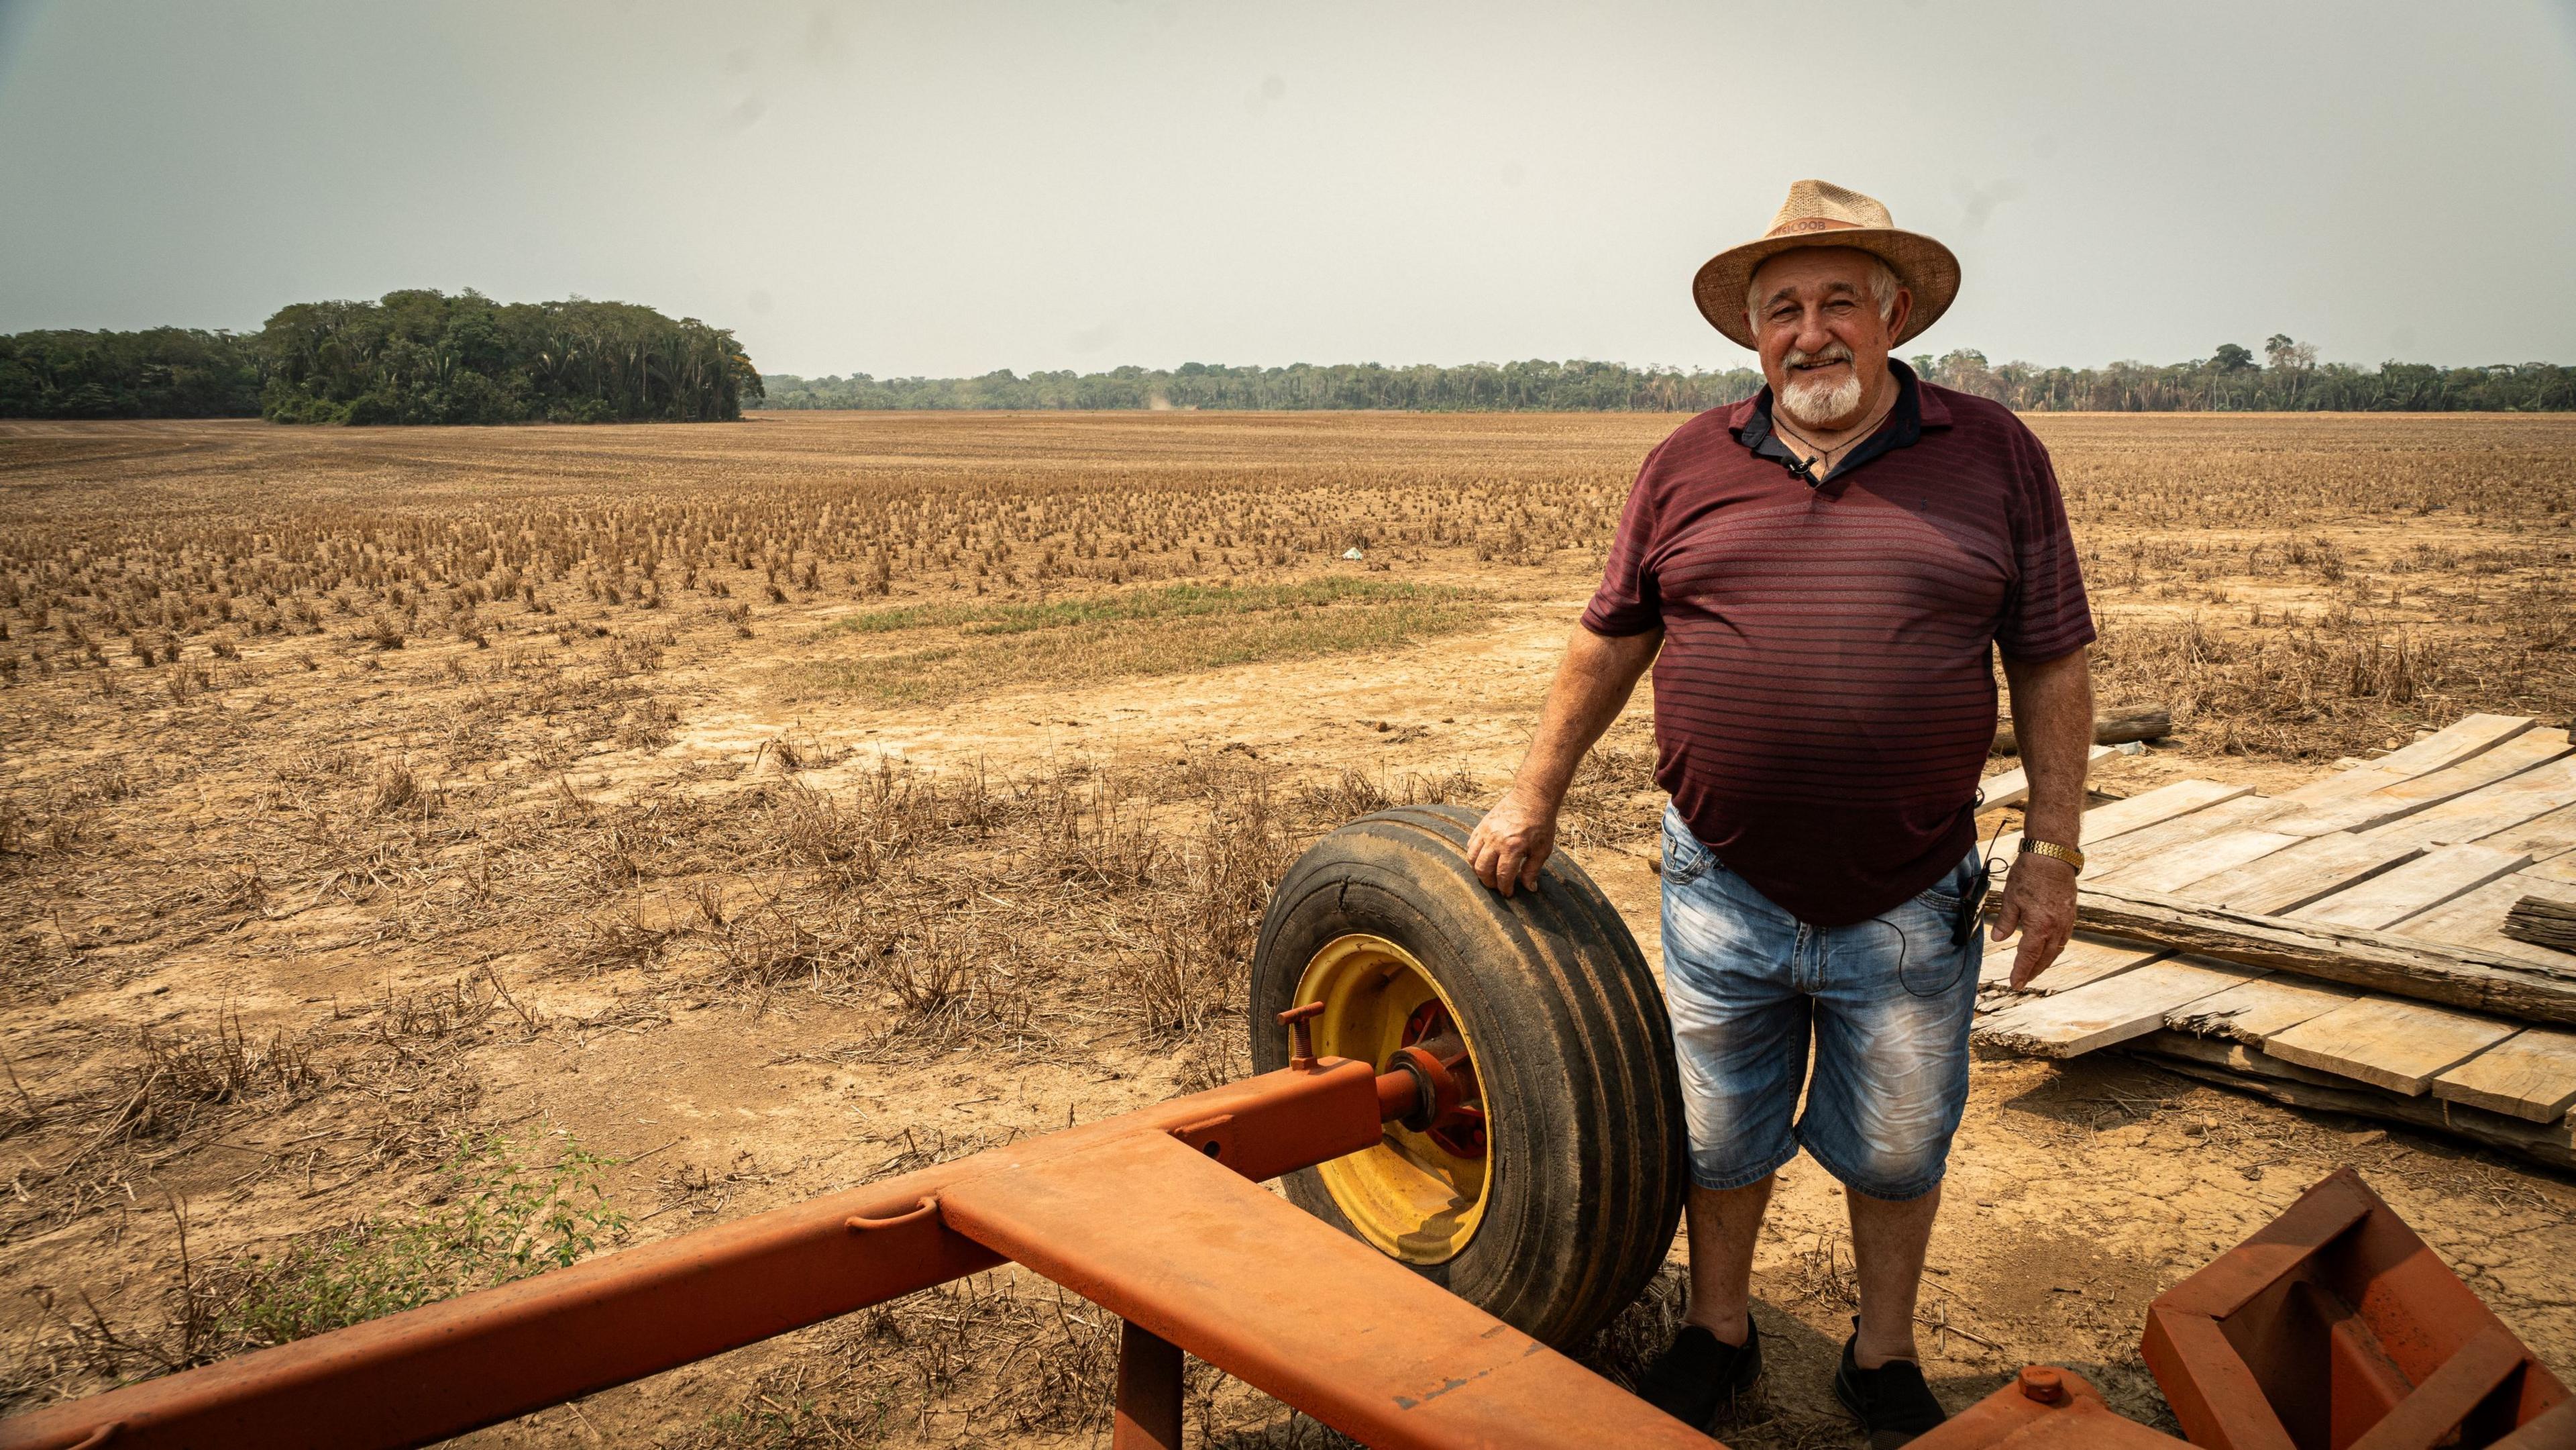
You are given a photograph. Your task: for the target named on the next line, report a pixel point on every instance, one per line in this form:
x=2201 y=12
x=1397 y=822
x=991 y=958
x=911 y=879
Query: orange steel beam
x=1147 y=1229
x=441 y=1370
x=1147 y=1415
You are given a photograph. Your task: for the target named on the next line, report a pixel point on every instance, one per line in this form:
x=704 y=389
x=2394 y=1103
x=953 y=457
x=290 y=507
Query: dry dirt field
x=427 y=855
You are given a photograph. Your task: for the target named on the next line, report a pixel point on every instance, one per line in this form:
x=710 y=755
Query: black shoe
x=1700 y=1375
x=1892 y=1402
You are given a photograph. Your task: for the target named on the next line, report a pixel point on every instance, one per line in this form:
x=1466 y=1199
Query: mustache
x=1833 y=354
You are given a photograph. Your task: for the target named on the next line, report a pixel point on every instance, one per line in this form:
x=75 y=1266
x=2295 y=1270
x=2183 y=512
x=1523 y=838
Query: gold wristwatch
x=2067 y=854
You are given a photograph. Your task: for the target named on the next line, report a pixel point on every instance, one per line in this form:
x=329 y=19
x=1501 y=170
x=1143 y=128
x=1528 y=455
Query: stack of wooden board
x=2339 y=945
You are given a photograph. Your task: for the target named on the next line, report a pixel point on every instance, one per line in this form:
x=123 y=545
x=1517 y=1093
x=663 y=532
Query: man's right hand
x=1513 y=841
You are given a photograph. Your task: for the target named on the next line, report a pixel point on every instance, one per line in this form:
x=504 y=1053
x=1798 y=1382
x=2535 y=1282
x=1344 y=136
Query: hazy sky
x=951 y=188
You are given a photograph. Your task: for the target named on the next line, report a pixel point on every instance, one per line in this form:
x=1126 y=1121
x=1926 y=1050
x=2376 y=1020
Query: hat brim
x=1924 y=266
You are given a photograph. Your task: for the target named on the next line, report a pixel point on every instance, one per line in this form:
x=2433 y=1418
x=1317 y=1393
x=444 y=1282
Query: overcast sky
x=955 y=187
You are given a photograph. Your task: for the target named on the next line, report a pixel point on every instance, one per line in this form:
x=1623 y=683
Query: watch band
x=2067 y=854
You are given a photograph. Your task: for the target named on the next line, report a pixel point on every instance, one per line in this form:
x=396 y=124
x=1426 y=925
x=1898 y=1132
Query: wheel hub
x=1420 y=1194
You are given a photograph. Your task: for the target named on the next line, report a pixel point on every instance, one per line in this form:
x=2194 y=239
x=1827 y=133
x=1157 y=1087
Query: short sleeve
x=2047 y=614
x=1627 y=602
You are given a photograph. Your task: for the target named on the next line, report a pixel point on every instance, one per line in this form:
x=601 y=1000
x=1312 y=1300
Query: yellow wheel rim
x=1410 y=1195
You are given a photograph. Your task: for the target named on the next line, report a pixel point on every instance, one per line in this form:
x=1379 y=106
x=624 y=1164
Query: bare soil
x=367 y=789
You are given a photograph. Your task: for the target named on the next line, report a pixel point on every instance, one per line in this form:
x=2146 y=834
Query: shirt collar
x=1917 y=408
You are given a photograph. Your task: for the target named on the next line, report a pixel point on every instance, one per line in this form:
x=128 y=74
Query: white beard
x=1819 y=404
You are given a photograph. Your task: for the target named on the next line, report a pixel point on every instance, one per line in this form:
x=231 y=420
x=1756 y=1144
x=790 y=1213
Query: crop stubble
x=361 y=777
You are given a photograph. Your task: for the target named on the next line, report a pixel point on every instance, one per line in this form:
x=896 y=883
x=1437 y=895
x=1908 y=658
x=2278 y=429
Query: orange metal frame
x=1156 y=1216
x=2336 y=1328
x=2046 y=1408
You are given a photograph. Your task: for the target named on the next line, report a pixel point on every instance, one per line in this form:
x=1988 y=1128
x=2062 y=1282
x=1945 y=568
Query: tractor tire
x=1556 y=1210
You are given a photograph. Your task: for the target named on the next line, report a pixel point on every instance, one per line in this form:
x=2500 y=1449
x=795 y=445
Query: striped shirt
x=1824 y=700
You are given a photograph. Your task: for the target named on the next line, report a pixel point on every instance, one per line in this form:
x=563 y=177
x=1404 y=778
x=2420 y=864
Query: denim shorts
x=1889 y=1001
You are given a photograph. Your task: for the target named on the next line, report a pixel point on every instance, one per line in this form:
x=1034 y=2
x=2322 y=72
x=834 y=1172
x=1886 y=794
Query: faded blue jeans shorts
x=1888 y=1001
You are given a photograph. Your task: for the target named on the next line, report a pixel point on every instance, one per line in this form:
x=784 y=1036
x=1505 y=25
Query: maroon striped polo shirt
x=1824 y=701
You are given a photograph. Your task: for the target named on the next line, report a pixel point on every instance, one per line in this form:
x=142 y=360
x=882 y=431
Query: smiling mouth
x=1818 y=366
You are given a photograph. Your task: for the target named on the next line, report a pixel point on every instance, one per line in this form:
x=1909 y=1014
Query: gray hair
x=1883 y=287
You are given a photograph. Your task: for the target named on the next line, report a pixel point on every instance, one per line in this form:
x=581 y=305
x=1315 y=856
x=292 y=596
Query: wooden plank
x=2526 y=751
x=2113 y=819
x=2013 y=786
x=2542 y=923
x=2232 y=1065
x=2546 y=837
x=2088 y=958
x=2531 y=1075
x=2388 y=1042
x=2418 y=886
x=2465 y=737
x=2116 y=818
x=2299 y=874
x=2488 y=809
x=2475 y=922
x=2115 y=1009
x=2173 y=870
x=2557 y=868
x=2242 y=812
x=2462 y=739
x=2382 y=961
x=2259 y=1008
x=1994 y=978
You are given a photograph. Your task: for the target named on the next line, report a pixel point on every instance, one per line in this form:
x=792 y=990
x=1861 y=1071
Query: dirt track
x=567 y=799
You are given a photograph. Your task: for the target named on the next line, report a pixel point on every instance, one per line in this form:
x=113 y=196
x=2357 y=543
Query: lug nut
x=2041 y=1383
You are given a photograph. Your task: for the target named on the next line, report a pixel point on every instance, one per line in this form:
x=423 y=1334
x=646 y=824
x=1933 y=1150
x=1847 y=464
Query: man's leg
x=1740 y=1034
x=1894 y=1001
x=1889 y=1237
x=1724 y=1224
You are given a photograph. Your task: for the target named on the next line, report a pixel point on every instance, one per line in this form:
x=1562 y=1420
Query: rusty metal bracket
x=1301 y=1034
x=2336 y=1328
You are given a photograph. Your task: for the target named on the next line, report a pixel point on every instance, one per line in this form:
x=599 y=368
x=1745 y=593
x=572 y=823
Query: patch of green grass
x=1169 y=601
x=1167 y=630
x=497 y=1221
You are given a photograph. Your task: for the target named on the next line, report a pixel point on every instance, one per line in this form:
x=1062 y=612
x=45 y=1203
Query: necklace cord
x=1827 y=454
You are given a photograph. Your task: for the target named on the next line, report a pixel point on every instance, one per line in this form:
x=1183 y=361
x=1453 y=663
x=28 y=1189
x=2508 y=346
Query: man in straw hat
x=1818 y=575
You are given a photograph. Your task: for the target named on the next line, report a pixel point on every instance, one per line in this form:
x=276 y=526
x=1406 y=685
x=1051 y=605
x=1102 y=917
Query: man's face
x=1823 y=343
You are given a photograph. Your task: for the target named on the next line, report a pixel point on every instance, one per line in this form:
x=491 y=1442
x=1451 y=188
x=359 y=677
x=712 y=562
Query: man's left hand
x=2039 y=902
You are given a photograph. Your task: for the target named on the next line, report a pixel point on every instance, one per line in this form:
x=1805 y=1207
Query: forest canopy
x=2233 y=378
x=412 y=357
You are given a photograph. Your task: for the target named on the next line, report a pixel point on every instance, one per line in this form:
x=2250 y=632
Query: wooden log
x=2542 y=922
x=2402 y=966
x=2122 y=724
x=2231 y=1065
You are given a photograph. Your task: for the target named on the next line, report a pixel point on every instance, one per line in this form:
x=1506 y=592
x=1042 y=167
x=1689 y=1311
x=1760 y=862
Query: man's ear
x=1896 y=315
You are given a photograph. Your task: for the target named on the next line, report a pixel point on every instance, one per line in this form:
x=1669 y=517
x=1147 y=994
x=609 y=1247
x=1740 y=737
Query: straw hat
x=1821 y=214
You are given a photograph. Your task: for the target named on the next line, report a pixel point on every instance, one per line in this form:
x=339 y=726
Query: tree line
x=2288 y=379
x=414 y=356
x=427 y=357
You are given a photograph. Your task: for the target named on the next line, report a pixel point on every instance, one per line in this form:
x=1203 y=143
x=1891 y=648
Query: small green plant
x=496 y=1220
